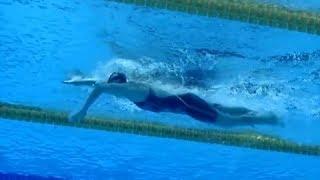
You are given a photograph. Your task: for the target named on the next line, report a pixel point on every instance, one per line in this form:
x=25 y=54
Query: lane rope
x=148 y=128
x=249 y=11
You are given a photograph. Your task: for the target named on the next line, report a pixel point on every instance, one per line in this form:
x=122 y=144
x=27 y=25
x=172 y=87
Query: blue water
x=261 y=68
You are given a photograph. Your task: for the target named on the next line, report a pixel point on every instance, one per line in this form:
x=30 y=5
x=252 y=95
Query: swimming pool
x=225 y=61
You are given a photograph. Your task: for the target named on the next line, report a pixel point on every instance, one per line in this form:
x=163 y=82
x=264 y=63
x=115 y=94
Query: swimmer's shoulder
x=136 y=85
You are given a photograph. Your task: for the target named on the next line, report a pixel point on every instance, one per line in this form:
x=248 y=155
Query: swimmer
x=156 y=100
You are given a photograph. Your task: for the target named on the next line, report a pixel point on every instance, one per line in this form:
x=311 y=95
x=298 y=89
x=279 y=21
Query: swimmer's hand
x=77 y=117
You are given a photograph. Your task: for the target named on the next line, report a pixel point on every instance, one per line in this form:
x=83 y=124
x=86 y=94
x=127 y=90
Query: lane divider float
x=249 y=11
x=157 y=129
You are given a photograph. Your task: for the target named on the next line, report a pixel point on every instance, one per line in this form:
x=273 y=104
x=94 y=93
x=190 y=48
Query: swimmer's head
x=117 y=77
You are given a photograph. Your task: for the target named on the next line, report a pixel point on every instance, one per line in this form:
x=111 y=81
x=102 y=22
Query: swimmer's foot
x=271 y=118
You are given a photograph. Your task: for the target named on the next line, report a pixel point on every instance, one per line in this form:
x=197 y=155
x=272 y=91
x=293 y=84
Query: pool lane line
x=249 y=11
x=147 y=128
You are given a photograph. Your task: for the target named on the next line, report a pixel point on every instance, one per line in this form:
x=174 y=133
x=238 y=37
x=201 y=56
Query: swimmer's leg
x=248 y=119
x=197 y=108
x=194 y=101
x=235 y=111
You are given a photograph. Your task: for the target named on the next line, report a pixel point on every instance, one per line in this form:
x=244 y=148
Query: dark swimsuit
x=187 y=103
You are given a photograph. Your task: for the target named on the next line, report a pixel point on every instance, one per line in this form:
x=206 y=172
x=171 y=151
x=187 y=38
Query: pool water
x=42 y=42
x=88 y=154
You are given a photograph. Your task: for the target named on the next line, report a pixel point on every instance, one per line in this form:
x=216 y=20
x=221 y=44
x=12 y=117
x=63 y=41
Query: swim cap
x=117 y=77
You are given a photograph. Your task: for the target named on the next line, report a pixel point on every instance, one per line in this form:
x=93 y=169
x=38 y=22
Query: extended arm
x=99 y=88
x=90 y=100
x=81 y=82
x=135 y=92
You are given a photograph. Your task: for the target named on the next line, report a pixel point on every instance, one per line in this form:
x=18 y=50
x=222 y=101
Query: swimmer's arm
x=92 y=98
x=81 y=82
x=79 y=116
